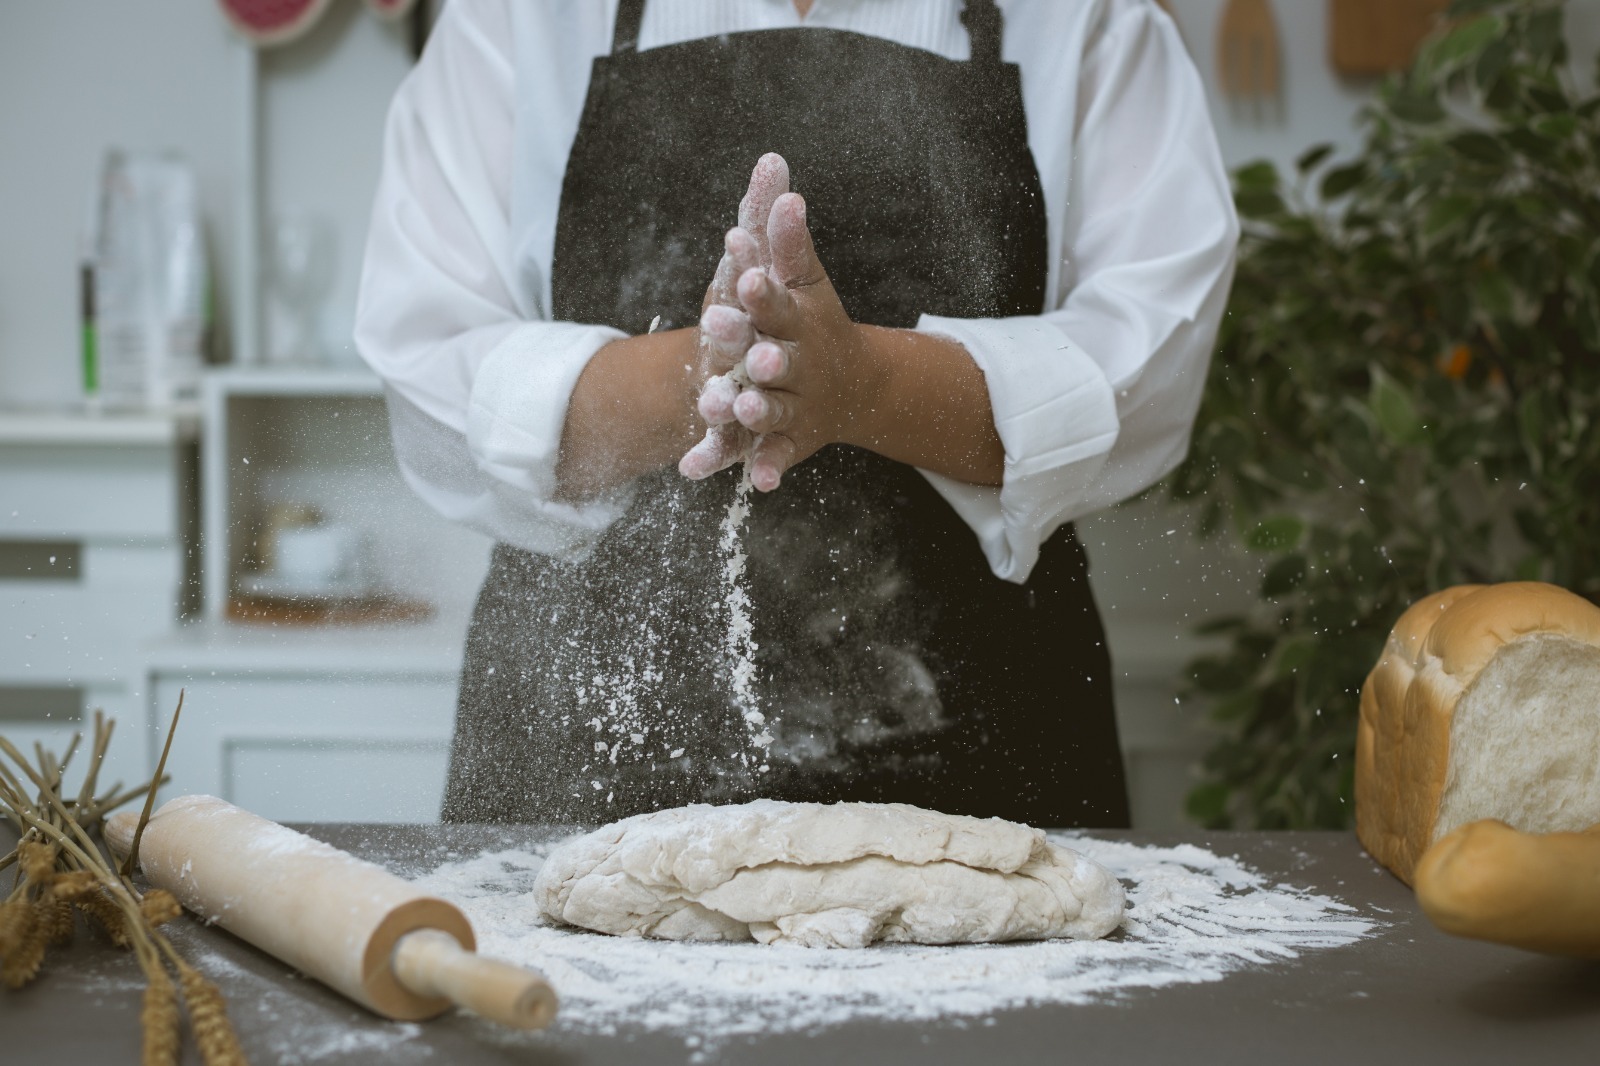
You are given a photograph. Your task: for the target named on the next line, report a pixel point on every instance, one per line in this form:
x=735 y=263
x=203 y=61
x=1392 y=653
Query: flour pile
x=1193 y=916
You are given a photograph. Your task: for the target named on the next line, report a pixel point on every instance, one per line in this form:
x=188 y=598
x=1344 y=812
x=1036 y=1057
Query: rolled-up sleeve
x=477 y=377
x=1094 y=399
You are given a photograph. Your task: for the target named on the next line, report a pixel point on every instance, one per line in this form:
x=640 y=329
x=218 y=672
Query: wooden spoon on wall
x=1249 y=55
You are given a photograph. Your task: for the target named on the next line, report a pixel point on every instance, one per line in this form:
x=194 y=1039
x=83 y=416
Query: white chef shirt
x=1093 y=399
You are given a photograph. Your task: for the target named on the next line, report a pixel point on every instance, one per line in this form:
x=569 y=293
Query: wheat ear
x=159 y=1017
x=22 y=963
x=208 y=1019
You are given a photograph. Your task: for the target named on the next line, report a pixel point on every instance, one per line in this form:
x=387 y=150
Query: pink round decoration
x=268 y=22
x=391 y=9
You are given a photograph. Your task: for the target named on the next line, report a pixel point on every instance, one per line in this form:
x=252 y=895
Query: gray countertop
x=1407 y=994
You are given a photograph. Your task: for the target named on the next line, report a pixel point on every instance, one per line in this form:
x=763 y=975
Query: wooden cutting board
x=1368 y=37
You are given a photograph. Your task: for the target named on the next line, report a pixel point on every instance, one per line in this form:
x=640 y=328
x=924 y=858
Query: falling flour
x=1193 y=916
x=739 y=645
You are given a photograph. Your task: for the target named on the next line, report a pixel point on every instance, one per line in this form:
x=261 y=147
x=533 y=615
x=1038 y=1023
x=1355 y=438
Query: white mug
x=320 y=554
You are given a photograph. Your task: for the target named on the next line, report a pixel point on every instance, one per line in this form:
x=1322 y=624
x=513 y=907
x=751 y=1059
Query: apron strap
x=983 y=22
x=982 y=19
x=625 y=37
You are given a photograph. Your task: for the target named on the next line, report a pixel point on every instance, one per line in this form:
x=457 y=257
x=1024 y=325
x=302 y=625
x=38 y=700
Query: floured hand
x=811 y=369
x=725 y=330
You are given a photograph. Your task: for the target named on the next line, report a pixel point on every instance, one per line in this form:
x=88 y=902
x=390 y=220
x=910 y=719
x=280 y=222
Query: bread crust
x=1434 y=653
x=1540 y=892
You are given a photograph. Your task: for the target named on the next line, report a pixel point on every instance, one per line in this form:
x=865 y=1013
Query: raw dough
x=826 y=875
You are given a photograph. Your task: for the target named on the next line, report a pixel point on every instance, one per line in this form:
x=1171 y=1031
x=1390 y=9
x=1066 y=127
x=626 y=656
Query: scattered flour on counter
x=307 y=1044
x=293 y=1031
x=1193 y=916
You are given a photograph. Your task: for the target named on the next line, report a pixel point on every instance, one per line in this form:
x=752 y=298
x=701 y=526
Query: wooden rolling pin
x=350 y=924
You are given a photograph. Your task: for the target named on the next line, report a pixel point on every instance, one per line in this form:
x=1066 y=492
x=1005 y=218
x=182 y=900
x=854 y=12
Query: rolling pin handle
x=430 y=962
x=118 y=832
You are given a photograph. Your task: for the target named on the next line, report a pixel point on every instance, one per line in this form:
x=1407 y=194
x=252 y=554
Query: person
x=968 y=296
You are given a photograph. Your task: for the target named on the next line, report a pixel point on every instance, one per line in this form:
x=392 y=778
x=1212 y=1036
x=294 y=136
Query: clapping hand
x=785 y=370
x=725 y=334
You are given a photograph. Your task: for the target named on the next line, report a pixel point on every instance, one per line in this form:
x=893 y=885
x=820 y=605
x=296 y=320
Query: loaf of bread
x=1538 y=891
x=1485 y=704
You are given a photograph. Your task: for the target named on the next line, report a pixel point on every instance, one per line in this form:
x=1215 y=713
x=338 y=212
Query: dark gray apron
x=893 y=665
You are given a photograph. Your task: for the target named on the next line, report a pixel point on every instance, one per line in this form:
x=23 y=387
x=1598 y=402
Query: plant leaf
x=1557 y=127
x=1480 y=148
x=1283 y=576
x=1261 y=175
x=1445 y=212
x=1208 y=804
x=1312 y=157
x=1416 y=110
x=1341 y=180
x=1275 y=533
x=1394 y=410
x=1463 y=44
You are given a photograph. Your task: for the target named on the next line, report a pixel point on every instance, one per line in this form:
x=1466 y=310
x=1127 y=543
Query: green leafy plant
x=1405 y=395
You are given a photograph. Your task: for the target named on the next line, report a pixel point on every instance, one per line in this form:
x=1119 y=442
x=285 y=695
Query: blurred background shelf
x=77 y=425
x=199 y=649
x=318 y=437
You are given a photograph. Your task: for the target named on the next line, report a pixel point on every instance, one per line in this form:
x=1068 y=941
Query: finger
x=794 y=257
x=768 y=181
x=761 y=411
x=723 y=282
x=741 y=246
x=770 y=457
x=716 y=400
x=740 y=252
x=720 y=448
x=728 y=334
x=767 y=363
x=771 y=307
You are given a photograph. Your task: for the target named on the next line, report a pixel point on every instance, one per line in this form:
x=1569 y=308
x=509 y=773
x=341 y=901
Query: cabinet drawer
x=90 y=493
x=348 y=779
x=88 y=624
x=313 y=748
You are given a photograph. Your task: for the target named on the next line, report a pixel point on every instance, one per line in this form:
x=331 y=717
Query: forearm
x=928 y=407
x=630 y=413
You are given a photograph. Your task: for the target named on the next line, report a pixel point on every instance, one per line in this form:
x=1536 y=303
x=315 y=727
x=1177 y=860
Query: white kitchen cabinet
x=96 y=536
x=350 y=724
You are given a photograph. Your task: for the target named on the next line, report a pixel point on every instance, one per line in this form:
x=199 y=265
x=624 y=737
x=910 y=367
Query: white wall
x=323 y=101
x=77 y=76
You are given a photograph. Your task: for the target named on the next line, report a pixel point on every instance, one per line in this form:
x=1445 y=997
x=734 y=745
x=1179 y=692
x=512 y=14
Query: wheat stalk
x=59 y=867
